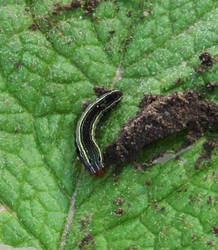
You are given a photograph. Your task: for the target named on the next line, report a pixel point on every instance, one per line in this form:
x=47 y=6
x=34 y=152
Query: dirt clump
x=159 y=117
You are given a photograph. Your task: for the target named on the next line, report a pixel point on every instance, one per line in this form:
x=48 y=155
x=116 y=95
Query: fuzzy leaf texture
x=50 y=59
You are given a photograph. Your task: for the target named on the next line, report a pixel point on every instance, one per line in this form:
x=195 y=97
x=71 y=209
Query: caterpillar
x=87 y=147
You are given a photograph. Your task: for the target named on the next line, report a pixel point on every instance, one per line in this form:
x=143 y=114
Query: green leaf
x=50 y=59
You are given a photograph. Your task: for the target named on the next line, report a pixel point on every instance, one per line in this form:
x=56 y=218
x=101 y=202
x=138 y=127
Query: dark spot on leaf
x=34 y=26
x=119 y=211
x=118 y=201
x=112 y=32
x=16 y=131
x=206 y=59
x=86 y=240
x=18 y=65
x=162 y=208
x=201 y=69
x=215 y=230
x=129 y=14
x=116 y=179
x=148 y=182
x=209 y=200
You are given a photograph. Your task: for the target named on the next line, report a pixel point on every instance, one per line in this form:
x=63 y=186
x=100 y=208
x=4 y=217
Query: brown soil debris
x=91 y=5
x=86 y=240
x=119 y=211
x=207 y=61
x=211 y=86
x=148 y=99
x=100 y=90
x=160 y=117
x=208 y=147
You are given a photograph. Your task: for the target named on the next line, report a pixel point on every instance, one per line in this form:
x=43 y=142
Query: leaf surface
x=50 y=59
